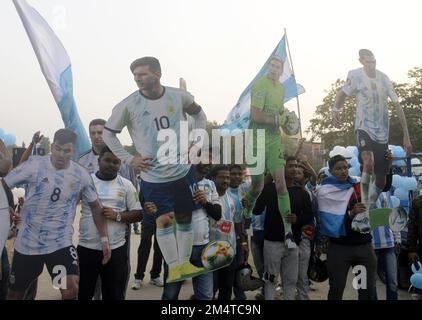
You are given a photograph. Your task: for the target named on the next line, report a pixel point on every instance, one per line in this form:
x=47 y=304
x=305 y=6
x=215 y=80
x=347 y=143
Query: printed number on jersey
x=162 y=123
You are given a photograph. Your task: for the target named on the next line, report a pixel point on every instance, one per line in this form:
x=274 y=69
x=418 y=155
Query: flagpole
x=293 y=72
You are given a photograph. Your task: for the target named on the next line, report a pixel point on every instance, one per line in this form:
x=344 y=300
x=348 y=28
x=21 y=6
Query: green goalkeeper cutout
x=267 y=112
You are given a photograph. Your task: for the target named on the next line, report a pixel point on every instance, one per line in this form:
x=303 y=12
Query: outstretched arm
x=111 y=140
x=406 y=138
x=196 y=112
x=36 y=138
x=338 y=104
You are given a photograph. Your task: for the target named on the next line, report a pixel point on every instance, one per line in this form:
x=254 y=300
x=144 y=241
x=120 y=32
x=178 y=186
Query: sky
x=216 y=46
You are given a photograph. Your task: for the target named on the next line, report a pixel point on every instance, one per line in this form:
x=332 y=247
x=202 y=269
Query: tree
x=411 y=102
x=410 y=95
x=322 y=127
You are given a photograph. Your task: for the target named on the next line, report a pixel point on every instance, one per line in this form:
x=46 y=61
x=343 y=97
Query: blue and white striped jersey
x=224 y=229
x=237 y=194
x=383 y=237
x=50 y=203
x=371 y=102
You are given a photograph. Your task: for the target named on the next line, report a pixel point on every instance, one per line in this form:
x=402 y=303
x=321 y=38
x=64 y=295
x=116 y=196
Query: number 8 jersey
x=50 y=203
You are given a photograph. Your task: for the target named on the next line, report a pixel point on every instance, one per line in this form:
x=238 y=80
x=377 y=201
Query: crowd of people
x=285 y=218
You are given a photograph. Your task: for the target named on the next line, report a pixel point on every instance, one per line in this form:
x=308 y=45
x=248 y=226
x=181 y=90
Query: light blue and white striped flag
x=238 y=118
x=56 y=67
x=333 y=198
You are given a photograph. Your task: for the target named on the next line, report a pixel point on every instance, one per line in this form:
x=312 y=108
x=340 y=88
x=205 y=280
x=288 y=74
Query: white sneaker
x=156 y=282
x=136 y=284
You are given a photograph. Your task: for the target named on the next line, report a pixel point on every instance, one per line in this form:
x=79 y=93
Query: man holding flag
x=267 y=112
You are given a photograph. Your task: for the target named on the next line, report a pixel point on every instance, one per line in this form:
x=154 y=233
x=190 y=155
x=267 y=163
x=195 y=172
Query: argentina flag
x=238 y=118
x=333 y=198
x=56 y=67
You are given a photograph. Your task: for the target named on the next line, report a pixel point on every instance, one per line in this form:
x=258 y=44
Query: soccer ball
x=292 y=125
x=217 y=254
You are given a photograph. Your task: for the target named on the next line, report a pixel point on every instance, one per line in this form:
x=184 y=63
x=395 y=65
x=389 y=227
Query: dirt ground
x=150 y=292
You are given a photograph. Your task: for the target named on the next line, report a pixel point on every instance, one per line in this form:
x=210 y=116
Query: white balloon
x=339 y=150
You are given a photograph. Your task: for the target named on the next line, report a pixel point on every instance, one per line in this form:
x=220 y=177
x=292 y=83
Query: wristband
x=277 y=120
x=104 y=239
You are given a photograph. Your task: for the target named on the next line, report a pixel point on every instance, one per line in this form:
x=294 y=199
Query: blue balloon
x=397 y=181
x=416 y=267
x=354 y=150
x=401 y=193
x=354 y=171
x=416 y=280
x=409 y=183
x=395 y=202
x=399 y=163
x=400 y=152
x=9 y=139
x=354 y=162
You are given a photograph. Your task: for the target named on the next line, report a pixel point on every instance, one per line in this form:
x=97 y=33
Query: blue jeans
x=388 y=261
x=202 y=284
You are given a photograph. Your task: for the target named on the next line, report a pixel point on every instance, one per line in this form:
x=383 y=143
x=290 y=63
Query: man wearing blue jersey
x=149 y=114
x=372 y=89
x=54 y=185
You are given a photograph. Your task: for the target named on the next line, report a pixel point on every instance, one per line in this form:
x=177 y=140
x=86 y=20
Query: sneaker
x=290 y=243
x=174 y=274
x=136 y=284
x=360 y=223
x=187 y=269
x=156 y=282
